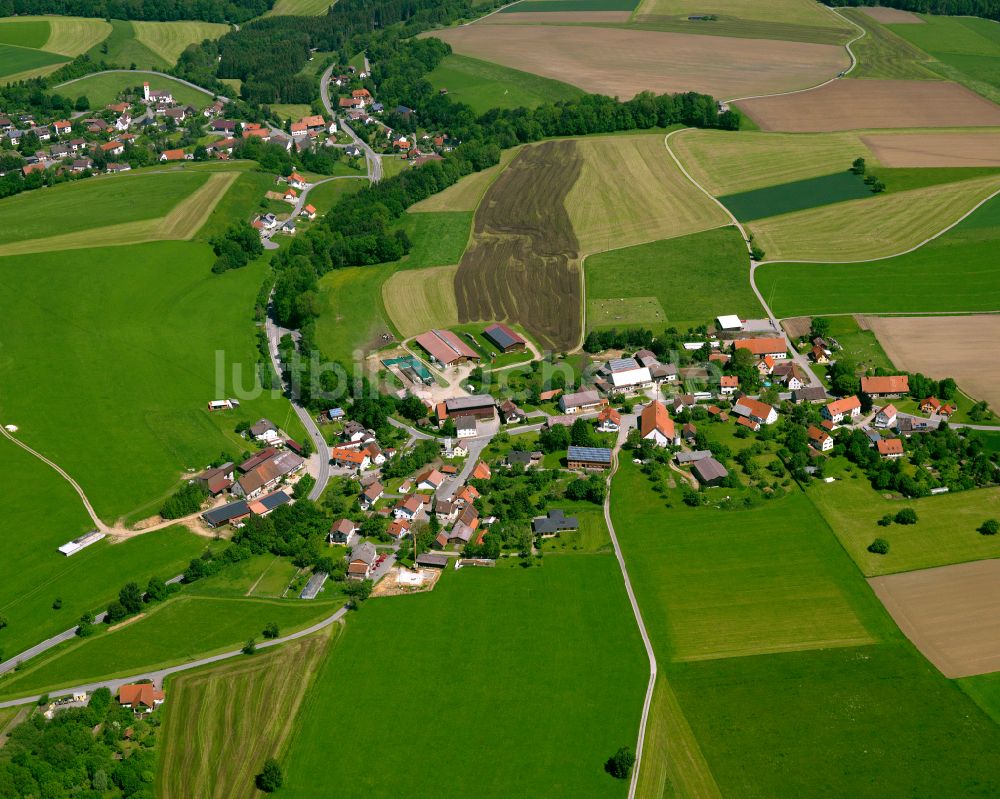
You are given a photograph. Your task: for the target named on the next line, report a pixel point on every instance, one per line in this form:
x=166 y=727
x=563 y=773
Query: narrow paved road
x=628 y=422
x=801 y=360
x=373 y=158
x=159 y=675
x=320 y=460
x=187 y=83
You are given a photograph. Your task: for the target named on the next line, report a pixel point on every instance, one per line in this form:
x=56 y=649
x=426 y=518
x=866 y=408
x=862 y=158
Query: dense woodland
x=165 y=10
x=990 y=9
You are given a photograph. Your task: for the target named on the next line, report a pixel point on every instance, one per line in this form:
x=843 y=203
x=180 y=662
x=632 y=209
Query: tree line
x=988 y=9
x=162 y=10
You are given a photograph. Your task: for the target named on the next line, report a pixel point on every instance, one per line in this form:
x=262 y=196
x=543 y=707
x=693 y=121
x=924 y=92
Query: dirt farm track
x=649 y=60
x=857 y=104
x=951 y=614
x=944 y=346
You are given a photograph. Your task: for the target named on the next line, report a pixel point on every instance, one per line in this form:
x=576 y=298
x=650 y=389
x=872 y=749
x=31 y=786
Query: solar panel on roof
x=596 y=454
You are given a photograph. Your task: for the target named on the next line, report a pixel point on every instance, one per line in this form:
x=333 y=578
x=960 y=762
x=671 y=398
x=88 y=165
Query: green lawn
x=351 y=316
x=794 y=715
x=438 y=239
x=543 y=667
x=25 y=33
x=138 y=336
x=97 y=202
x=862 y=345
x=692 y=279
x=181 y=629
x=968 y=49
x=796 y=196
x=985 y=691
x=104 y=89
x=867 y=721
x=956 y=272
x=324 y=197
x=15 y=59
x=945 y=533
x=40 y=513
x=484 y=85
x=241 y=201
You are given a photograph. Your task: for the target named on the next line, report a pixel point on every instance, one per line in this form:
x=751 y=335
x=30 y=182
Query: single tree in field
x=619 y=765
x=271 y=630
x=131 y=597
x=250 y=647
x=906 y=516
x=989 y=527
x=879 y=547
x=858 y=167
x=270 y=777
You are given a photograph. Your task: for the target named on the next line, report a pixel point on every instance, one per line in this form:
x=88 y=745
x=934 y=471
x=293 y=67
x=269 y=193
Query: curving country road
x=187 y=83
x=159 y=675
x=374 y=159
x=629 y=421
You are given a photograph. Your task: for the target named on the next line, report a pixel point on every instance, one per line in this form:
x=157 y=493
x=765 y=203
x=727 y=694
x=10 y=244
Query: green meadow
x=123 y=48
x=955 y=272
x=41 y=514
x=93 y=203
x=484 y=85
x=690 y=278
x=180 y=629
x=241 y=201
x=25 y=33
x=105 y=88
x=438 y=239
x=139 y=338
x=985 y=691
x=796 y=196
x=14 y=60
x=324 y=197
x=500 y=682
x=784 y=667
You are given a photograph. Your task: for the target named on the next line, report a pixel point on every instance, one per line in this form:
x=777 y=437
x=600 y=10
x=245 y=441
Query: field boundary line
x=844 y=74
x=914 y=248
x=62 y=473
x=650 y=687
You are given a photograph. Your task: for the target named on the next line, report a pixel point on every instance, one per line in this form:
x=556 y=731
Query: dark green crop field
x=798 y=195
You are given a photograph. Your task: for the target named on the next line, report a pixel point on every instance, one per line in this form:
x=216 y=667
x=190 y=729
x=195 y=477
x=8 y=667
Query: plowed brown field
x=935 y=149
x=859 y=104
x=952 y=614
x=892 y=16
x=523 y=263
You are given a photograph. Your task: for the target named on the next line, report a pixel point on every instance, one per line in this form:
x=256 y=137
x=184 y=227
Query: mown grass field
x=69 y=36
x=569 y=5
x=630 y=192
x=956 y=272
x=21 y=60
x=967 y=49
x=123 y=48
x=324 y=197
x=178 y=630
x=420 y=299
x=40 y=513
x=881 y=53
x=169 y=39
x=799 y=195
x=181 y=223
x=790 y=12
x=769 y=584
x=484 y=85
x=104 y=89
x=680 y=282
x=241 y=201
x=140 y=365
x=437 y=239
x=559 y=673
x=877 y=227
x=466 y=194
x=351 y=315
x=83 y=205
x=729 y=163
x=222 y=723
x=945 y=533
x=300 y=8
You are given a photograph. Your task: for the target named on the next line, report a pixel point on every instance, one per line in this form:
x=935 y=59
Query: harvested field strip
x=419 y=299
x=522 y=265
x=222 y=723
x=168 y=39
x=935 y=149
x=73 y=35
x=944 y=346
x=877 y=227
x=894 y=16
x=788 y=12
x=631 y=192
x=568 y=6
x=466 y=194
x=729 y=163
x=672 y=760
x=740 y=29
x=648 y=60
x=860 y=104
x=183 y=222
x=559 y=17
x=797 y=196
x=300 y=8
x=951 y=614
x=883 y=54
